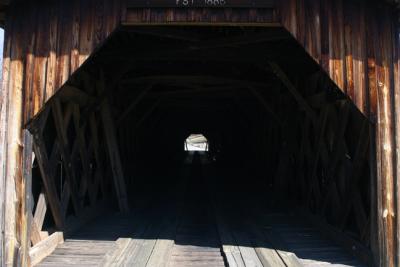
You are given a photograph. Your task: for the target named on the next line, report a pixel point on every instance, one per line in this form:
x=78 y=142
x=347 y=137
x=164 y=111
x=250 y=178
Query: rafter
x=292 y=89
x=165 y=53
x=174 y=34
x=134 y=103
x=194 y=79
x=266 y=105
x=148 y=113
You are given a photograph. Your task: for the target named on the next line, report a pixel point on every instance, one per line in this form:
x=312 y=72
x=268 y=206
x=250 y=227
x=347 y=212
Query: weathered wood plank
x=163 y=248
x=268 y=256
x=349 y=244
x=44 y=248
x=48 y=182
x=112 y=256
x=40 y=211
x=27 y=203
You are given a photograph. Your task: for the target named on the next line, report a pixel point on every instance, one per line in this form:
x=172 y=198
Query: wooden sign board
x=201 y=3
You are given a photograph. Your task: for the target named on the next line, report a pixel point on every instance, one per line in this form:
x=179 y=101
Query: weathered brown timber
x=396 y=81
x=355 y=42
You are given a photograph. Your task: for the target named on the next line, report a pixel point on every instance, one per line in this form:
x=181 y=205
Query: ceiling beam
x=198 y=90
x=242 y=40
x=147 y=114
x=164 y=32
x=166 y=53
x=134 y=103
x=303 y=104
x=266 y=105
x=193 y=79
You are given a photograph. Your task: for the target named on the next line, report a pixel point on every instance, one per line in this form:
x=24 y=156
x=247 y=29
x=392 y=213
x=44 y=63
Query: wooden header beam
x=201 y=3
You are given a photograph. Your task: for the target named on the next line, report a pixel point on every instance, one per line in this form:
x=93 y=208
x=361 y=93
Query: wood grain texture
x=45 y=248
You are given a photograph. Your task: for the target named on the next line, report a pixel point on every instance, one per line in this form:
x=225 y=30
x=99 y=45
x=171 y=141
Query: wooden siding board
x=3 y=135
x=26 y=183
x=51 y=66
x=336 y=43
x=76 y=24
x=64 y=43
x=41 y=53
x=36 y=71
x=14 y=125
x=396 y=69
x=313 y=28
x=27 y=200
x=86 y=32
x=385 y=135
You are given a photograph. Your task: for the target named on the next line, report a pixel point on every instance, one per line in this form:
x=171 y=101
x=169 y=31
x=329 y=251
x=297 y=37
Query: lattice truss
x=328 y=149
x=338 y=175
x=70 y=154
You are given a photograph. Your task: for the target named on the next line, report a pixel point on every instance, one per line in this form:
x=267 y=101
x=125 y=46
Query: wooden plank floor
x=306 y=242
x=88 y=247
x=196 y=242
x=197 y=227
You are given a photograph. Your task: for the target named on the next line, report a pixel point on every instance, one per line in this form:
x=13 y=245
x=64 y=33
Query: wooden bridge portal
x=297 y=99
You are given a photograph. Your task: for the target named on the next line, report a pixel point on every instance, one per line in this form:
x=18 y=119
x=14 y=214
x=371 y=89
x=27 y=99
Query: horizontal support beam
x=69 y=93
x=134 y=103
x=196 y=44
x=303 y=104
x=170 y=33
x=190 y=79
x=165 y=53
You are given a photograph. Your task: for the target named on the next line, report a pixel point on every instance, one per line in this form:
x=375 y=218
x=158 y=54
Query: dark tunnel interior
x=282 y=138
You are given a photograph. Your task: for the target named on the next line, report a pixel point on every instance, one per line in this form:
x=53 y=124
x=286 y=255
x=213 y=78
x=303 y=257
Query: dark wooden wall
x=356 y=42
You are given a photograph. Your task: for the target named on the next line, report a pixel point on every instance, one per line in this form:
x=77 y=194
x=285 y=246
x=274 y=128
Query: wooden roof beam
x=241 y=40
x=303 y=104
x=235 y=41
x=266 y=105
x=170 y=33
x=193 y=89
x=193 y=79
x=167 y=54
x=147 y=114
x=134 y=103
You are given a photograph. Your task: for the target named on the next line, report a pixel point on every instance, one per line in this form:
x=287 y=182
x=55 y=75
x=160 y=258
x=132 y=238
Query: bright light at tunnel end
x=196 y=142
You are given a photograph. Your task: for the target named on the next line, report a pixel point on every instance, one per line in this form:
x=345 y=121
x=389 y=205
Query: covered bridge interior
x=286 y=180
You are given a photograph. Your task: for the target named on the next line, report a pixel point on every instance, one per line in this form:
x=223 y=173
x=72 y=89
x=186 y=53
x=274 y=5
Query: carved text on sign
x=211 y=3
x=201 y=3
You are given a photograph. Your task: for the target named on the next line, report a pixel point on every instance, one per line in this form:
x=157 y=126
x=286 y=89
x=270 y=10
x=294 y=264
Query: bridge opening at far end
x=196 y=142
x=286 y=176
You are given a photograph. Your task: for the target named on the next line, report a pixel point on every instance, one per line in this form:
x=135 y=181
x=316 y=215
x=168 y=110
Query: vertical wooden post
x=396 y=81
x=381 y=94
x=27 y=202
x=372 y=114
x=13 y=144
x=113 y=153
x=3 y=133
